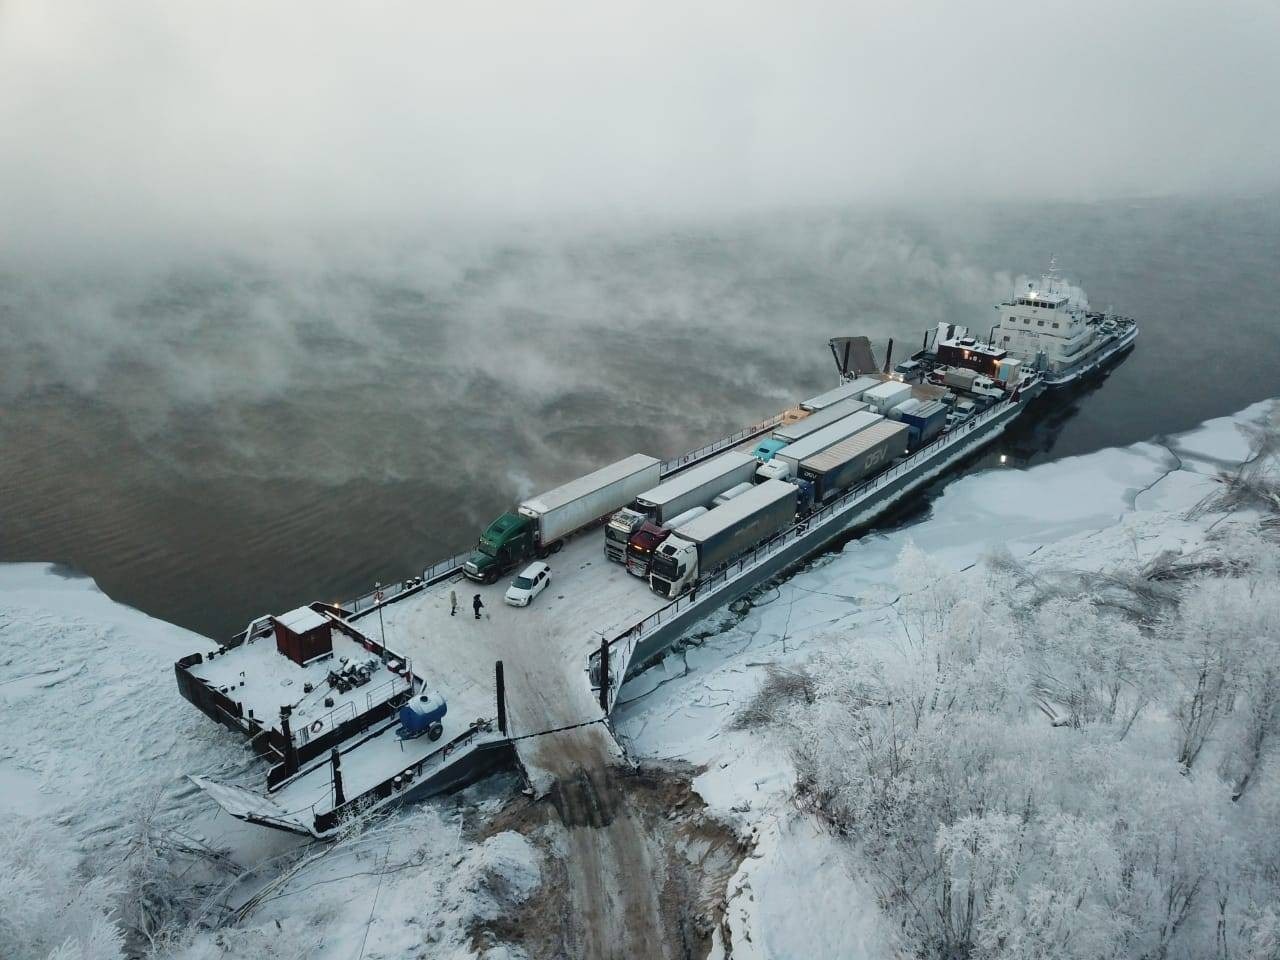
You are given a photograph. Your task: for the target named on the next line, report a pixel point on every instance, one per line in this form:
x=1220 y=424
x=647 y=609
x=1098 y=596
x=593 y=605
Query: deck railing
x=724 y=443
x=347 y=711
x=404 y=779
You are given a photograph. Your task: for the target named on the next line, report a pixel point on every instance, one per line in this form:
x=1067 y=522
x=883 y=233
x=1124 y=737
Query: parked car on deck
x=532 y=581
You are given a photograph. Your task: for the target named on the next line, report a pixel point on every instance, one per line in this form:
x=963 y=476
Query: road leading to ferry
x=582 y=772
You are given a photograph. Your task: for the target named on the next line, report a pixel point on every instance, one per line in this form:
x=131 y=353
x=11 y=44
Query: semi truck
x=800 y=429
x=721 y=534
x=970 y=381
x=622 y=526
x=646 y=540
x=848 y=462
x=694 y=487
x=767 y=447
x=539 y=525
x=786 y=462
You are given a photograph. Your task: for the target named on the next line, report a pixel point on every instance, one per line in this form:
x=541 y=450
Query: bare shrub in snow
x=780 y=689
x=1254 y=484
x=48 y=908
x=169 y=881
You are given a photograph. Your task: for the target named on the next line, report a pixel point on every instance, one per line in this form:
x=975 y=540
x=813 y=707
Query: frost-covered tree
x=48 y=908
x=993 y=832
x=1223 y=653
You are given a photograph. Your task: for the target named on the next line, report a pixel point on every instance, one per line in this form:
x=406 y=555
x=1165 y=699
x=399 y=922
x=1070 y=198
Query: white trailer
x=846 y=391
x=732 y=492
x=695 y=487
x=580 y=502
x=816 y=421
x=786 y=462
x=887 y=395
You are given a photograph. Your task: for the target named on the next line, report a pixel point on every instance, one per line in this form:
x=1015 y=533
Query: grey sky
x=168 y=115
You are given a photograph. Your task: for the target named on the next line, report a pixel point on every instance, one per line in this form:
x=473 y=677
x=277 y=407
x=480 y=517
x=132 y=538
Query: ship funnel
x=853 y=355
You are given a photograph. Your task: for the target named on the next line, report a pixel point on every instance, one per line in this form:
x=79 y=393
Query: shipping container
x=846 y=391
x=887 y=395
x=924 y=418
x=579 y=502
x=816 y=421
x=1009 y=371
x=695 y=487
x=850 y=461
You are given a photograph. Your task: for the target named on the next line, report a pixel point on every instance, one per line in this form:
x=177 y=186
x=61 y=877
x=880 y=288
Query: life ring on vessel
x=317 y=726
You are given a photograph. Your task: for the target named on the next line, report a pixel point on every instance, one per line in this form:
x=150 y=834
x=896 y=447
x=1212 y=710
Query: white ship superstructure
x=1045 y=324
x=1050 y=328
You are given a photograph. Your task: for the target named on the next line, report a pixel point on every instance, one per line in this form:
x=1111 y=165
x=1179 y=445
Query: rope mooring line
x=543 y=733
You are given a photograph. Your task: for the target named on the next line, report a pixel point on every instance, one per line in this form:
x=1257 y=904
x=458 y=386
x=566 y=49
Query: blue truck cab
x=805 y=492
x=925 y=421
x=766 y=448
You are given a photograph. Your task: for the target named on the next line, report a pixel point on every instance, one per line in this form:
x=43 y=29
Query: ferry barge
x=335 y=695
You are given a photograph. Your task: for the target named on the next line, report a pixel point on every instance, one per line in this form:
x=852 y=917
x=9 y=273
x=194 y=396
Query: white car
x=532 y=581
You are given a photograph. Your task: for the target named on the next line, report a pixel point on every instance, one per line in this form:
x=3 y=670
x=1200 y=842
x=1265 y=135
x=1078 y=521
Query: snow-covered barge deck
x=551 y=652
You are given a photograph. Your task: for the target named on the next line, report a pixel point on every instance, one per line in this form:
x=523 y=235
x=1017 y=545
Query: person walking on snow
x=476 y=605
x=453 y=602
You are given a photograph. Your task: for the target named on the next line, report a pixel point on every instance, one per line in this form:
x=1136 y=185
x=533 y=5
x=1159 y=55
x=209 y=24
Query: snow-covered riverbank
x=95 y=733
x=848 y=619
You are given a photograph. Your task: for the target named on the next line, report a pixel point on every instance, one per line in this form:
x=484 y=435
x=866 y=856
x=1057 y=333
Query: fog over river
x=294 y=298
x=213 y=433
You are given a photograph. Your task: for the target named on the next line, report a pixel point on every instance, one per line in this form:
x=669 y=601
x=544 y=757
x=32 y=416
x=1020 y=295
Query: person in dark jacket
x=476 y=605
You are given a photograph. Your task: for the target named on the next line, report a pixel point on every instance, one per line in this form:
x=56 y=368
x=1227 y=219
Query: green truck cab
x=505 y=543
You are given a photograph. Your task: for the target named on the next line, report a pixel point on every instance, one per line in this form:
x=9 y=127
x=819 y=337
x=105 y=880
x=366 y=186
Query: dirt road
x=628 y=890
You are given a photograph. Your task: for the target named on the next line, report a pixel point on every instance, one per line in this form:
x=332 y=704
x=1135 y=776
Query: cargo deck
x=551 y=651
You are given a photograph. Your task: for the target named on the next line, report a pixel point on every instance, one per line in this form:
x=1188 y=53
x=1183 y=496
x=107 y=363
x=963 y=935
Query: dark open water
x=218 y=436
